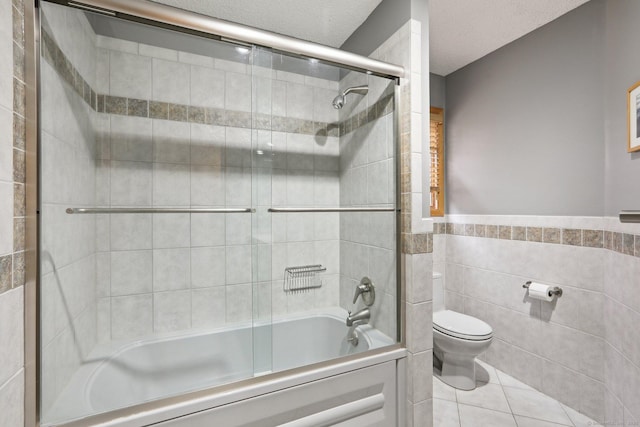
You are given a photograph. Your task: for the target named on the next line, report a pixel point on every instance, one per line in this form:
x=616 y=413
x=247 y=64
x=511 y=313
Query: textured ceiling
x=461 y=31
x=329 y=22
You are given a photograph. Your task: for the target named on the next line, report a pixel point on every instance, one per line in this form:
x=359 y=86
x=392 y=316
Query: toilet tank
x=438 y=292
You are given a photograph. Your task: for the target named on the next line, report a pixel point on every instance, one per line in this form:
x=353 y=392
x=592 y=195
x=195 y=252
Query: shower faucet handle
x=367 y=290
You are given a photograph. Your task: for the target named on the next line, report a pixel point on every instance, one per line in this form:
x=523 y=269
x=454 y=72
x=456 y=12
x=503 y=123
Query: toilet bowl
x=457 y=340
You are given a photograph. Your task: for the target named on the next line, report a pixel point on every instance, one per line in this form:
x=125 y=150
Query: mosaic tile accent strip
x=421 y=243
x=103 y=103
x=624 y=243
x=12 y=265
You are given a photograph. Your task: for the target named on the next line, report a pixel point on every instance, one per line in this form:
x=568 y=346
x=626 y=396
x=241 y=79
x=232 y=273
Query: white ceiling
x=329 y=22
x=462 y=31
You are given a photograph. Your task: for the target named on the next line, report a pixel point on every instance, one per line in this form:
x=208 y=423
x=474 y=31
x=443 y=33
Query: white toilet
x=457 y=340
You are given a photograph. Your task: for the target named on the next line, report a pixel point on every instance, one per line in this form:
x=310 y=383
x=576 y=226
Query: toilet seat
x=461 y=326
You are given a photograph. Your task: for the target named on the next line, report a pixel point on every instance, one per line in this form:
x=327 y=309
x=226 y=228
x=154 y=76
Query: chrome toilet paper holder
x=553 y=291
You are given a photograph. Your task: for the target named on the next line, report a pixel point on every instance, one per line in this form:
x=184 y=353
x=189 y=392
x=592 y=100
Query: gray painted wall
x=622 y=69
x=385 y=20
x=525 y=123
x=437 y=90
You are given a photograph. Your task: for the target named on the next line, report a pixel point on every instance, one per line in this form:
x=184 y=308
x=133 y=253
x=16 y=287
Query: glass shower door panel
x=262 y=161
x=333 y=212
x=147 y=243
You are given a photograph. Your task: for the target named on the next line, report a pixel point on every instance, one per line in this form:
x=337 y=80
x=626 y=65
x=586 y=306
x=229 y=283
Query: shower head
x=340 y=100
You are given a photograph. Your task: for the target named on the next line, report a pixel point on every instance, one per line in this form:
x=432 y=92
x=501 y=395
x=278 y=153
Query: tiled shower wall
x=183 y=136
x=68 y=249
x=405 y=48
x=367 y=178
x=557 y=347
x=12 y=211
x=621 y=319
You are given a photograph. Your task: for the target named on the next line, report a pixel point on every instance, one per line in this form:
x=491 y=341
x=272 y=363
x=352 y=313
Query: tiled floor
x=500 y=401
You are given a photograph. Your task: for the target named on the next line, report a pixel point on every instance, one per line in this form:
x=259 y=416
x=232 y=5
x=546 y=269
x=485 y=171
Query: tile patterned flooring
x=500 y=401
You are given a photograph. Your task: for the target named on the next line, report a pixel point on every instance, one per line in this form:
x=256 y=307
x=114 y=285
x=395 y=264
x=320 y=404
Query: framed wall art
x=633 y=117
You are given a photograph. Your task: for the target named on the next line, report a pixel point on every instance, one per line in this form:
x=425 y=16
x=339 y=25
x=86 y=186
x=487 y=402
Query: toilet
x=457 y=340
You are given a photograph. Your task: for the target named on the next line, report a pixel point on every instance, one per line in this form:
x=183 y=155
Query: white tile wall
x=131 y=272
x=170 y=82
x=11 y=401
x=131 y=316
x=207 y=87
x=11 y=333
x=621 y=352
x=171 y=142
x=128 y=75
x=168 y=163
x=585 y=343
x=208 y=307
x=237 y=93
x=367 y=245
x=171 y=311
x=69 y=242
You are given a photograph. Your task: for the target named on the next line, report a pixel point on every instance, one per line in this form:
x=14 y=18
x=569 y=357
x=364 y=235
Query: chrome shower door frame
x=192 y=23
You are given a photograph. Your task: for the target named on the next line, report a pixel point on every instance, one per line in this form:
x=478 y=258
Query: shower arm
x=363 y=88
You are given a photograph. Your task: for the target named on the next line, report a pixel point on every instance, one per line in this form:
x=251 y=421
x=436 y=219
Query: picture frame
x=633 y=118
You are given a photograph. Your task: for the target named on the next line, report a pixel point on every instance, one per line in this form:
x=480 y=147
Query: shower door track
x=186 y=21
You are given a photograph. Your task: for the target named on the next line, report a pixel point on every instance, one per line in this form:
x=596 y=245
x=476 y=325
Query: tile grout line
x=567 y=414
x=506 y=398
x=502 y=386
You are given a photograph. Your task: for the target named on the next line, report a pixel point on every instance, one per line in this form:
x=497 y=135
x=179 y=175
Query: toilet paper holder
x=553 y=291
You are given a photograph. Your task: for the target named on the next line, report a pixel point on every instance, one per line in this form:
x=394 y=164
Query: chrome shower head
x=340 y=100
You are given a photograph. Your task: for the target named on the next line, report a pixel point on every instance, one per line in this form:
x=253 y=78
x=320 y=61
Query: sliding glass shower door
x=208 y=213
x=155 y=250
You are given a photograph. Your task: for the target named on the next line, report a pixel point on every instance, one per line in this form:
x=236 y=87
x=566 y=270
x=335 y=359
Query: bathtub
x=121 y=375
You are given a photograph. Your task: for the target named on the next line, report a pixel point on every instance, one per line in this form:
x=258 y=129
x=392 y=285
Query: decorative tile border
x=12 y=265
x=103 y=103
x=421 y=243
x=624 y=243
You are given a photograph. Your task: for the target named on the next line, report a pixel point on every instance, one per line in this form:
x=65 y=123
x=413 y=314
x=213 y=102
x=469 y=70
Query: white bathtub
x=126 y=374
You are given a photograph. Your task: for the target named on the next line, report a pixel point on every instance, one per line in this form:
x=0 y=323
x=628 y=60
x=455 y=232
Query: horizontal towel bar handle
x=309 y=210
x=629 y=216
x=156 y=210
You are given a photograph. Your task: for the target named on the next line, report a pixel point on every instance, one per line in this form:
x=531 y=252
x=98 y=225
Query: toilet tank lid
x=459 y=323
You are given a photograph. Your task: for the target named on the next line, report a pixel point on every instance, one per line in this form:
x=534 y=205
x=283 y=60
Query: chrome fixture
x=302 y=278
x=310 y=210
x=191 y=21
x=367 y=290
x=352 y=337
x=553 y=291
x=361 y=317
x=340 y=100
x=156 y=210
x=629 y=216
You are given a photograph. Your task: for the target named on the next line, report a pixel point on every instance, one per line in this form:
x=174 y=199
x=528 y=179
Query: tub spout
x=360 y=317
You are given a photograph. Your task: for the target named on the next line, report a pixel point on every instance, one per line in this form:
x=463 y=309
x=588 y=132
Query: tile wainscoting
x=571 y=348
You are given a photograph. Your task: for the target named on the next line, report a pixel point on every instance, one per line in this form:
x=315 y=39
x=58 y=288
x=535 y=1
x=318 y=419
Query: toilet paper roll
x=540 y=291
